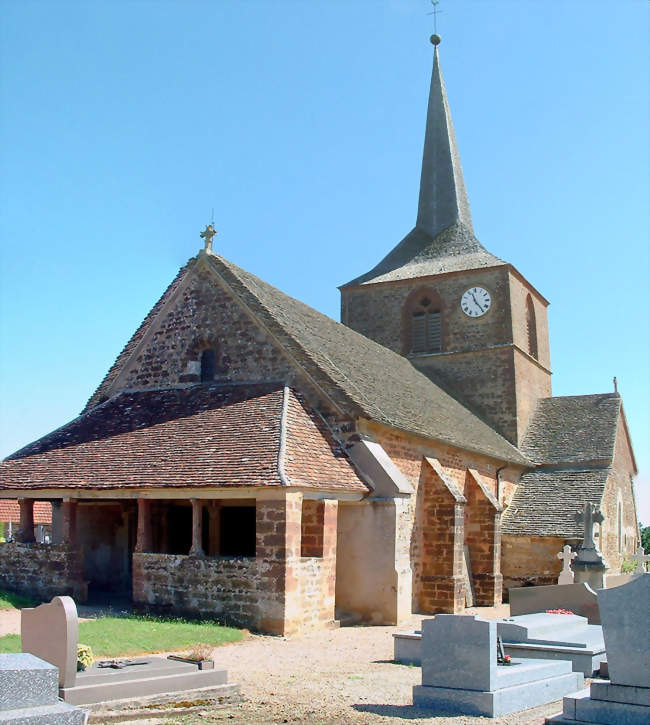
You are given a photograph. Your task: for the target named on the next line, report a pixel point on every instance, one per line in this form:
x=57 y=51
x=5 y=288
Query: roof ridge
x=282 y=448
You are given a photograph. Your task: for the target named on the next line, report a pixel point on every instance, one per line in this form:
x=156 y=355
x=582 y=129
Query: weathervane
x=207 y=234
x=435 y=38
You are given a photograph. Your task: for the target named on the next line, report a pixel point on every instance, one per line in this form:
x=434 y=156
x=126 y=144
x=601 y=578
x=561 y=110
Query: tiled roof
x=9 y=511
x=547 y=502
x=216 y=436
x=364 y=378
x=419 y=255
x=573 y=430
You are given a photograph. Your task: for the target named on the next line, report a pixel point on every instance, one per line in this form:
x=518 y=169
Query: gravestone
x=29 y=693
x=640 y=558
x=624 y=699
x=531 y=636
x=580 y=599
x=460 y=673
x=566 y=555
x=50 y=632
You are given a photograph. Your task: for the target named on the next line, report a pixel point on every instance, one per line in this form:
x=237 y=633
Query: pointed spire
x=443 y=199
x=443 y=237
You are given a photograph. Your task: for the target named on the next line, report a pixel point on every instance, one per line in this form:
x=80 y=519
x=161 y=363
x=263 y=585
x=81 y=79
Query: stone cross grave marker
x=640 y=558
x=51 y=632
x=590 y=516
x=567 y=556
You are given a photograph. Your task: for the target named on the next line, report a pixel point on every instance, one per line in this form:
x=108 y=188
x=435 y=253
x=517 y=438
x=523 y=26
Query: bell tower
x=465 y=318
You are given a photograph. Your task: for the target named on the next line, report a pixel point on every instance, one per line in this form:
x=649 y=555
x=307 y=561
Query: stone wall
x=483 y=379
x=41 y=571
x=417 y=542
x=532 y=382
x=277 y=591
x=439 y=541
x=483 y=540
x=372 y=580
x=530 y=560
x=224 y=588
x=619 y=490
x=196 y=318
x=479 y=362
x=519 y=292
x=311 y=543
x=376 y=310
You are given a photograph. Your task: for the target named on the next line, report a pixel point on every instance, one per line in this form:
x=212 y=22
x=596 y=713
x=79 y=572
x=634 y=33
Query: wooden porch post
x=197 y=528
x=143 y=541
x=69 y=528
x=25 y=534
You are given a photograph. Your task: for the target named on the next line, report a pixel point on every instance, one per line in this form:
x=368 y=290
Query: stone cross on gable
x=589 y=517
x=207 y=234
x=567 y=556
x=640 y=557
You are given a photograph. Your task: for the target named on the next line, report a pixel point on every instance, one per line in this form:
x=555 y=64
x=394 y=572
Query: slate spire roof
x=443 y=238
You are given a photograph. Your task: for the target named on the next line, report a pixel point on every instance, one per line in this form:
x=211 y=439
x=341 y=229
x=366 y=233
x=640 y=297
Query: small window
x=208 y=365
x=426 y=331
x=531 y=328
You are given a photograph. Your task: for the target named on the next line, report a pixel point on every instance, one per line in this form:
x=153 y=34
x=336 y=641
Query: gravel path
x=335 y=676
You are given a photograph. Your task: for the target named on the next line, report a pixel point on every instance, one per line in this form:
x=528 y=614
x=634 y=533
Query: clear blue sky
x=123 y=123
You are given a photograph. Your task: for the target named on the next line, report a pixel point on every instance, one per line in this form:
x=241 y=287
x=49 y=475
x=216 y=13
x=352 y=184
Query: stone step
x=581 y=708
x=26 y=681
x=59 y=713
x=498 y=702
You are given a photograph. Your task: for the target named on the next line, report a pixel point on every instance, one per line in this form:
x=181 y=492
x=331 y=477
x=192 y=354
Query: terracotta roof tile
x=9 y=511
x=216 y=436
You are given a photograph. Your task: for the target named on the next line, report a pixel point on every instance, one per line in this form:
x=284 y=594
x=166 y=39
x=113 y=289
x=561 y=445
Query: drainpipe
x=499 y=482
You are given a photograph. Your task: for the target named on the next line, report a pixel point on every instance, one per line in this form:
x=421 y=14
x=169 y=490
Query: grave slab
x=59 y=713
x=460 y=673
x=26 y=681
x=537 y=636
x=158 y=676
x=625 y=699
x=29 y=693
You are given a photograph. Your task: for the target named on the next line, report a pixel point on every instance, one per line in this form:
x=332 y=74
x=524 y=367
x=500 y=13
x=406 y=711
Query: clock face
x=475 y=302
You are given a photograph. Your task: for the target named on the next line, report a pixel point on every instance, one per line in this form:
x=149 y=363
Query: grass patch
x=126 y=636
x=9 y=600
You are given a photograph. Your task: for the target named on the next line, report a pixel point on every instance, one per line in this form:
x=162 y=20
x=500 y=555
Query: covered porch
x=261 y=559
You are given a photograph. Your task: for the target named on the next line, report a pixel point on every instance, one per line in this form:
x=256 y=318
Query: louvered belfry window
x=531 y=327
x=426 y=328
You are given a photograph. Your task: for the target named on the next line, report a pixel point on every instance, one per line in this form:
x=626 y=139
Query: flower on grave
x=85 y=657
x=507 y=659
x=559 y=611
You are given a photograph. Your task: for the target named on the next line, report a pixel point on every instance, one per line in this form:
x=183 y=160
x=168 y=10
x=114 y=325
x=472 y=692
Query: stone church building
x=249 y=458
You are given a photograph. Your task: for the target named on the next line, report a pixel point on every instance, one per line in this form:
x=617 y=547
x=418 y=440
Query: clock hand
x=477 y=304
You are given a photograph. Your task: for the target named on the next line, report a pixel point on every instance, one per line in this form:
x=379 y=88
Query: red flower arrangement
x=559 y=611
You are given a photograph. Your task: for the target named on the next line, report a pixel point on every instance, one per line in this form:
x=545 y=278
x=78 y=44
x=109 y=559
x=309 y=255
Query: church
x=250 y=459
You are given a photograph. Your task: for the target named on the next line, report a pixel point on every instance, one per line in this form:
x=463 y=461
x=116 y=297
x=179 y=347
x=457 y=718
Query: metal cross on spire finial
x=435 y=38
x=207 y=234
